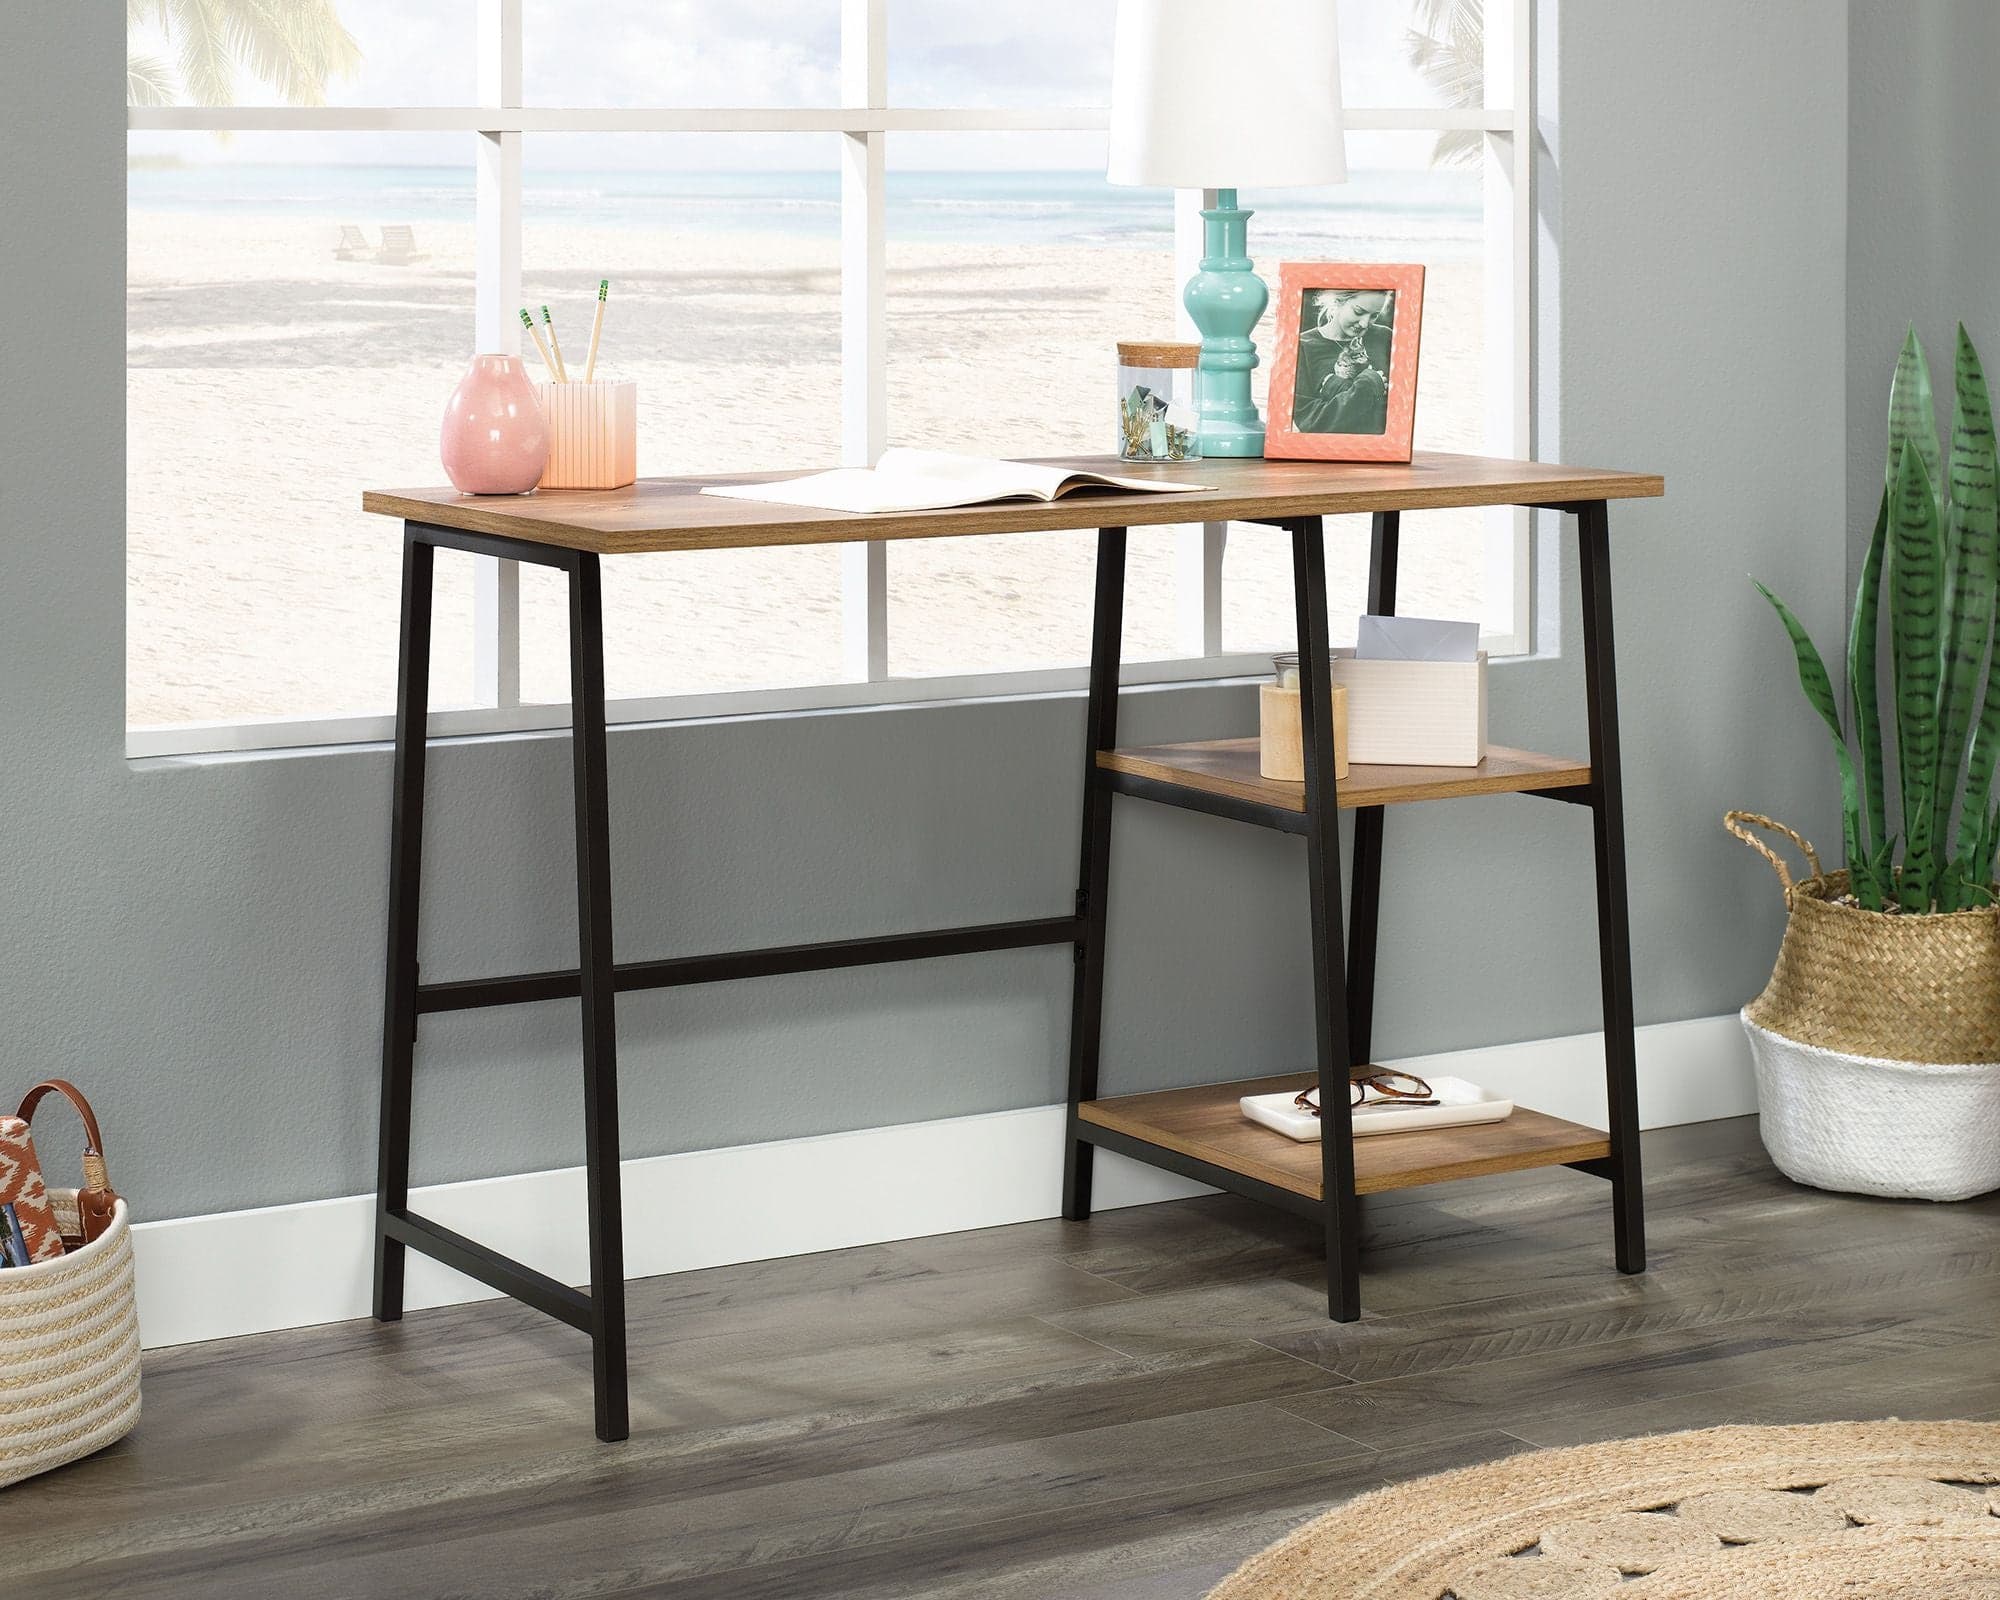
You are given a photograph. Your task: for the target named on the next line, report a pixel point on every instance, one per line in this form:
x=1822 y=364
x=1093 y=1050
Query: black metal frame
x=595 y=981
x=1343 y=1010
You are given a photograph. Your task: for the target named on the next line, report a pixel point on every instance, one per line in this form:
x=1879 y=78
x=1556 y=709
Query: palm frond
x=208 y=75
x=295 y=46
x=1459 y=147
x=1456 y=70
x=149 y=81
x=1448 y=16
x=265 y=38
x=1447 y=47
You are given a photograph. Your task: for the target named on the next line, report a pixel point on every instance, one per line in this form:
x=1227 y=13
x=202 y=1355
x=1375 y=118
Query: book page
x=928 y=480
x=982 y=478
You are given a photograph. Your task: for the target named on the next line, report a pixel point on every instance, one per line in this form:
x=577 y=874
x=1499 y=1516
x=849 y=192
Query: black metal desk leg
x=1093 y=873
x=600 y=998
x=406 y=852
x=1343 y=1210
x=1364 y=902
x=1614 y=936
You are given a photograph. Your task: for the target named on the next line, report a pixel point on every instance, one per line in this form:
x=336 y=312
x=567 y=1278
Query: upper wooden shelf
x=1229 y=767
x=657 y=514
x=1209 y=1125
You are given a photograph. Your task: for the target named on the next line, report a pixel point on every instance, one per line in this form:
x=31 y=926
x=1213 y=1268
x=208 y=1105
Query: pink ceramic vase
x=495 y=439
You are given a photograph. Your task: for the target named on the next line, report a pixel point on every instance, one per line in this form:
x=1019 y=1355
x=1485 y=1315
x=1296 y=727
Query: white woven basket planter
x=69 y=1350
x=1909 y=1129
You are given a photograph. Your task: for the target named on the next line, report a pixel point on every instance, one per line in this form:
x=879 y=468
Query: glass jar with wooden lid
x=1159 y=410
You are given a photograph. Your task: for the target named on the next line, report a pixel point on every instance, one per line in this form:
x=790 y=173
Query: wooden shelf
x=1229 y=767
x=1207 y=1124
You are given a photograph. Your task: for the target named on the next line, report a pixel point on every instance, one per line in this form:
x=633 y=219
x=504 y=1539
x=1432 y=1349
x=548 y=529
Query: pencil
x=596 y=330
x=555 y=345
x=535 y=333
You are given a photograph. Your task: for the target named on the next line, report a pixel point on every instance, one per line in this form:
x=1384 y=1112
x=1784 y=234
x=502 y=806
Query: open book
x=928 y=480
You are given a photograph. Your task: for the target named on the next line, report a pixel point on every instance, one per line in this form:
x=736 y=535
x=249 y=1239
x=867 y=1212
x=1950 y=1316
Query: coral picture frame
x=1344 y=386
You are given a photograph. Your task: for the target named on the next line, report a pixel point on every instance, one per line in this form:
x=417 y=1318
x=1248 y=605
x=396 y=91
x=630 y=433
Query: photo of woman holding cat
x=1346 y=341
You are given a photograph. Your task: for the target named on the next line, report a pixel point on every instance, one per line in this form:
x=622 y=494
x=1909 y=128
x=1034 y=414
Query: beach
x=269 y=384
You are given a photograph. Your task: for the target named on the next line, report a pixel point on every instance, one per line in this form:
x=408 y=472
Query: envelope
x=1416 y=639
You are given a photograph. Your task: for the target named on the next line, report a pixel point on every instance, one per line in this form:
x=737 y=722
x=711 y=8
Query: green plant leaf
x=1863 y=883
x=1881 y=876
x=1965 y=886
x=1874 y=884
x=1819 y=694
x=1989 y=844
x=1916 y=586
x=1863 y=691
x=1912 y=414
x=1975 y=513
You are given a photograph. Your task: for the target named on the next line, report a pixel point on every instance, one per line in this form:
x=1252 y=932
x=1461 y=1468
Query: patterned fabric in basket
x=21 y=1187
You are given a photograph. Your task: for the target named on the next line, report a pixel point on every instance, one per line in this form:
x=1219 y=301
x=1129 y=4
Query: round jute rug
x=1857 y=1510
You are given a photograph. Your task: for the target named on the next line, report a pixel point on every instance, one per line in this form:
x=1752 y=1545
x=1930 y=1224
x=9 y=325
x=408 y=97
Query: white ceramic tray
x=1460 y=1103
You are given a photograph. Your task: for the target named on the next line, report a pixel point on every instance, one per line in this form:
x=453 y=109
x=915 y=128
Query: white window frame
x=864 y=121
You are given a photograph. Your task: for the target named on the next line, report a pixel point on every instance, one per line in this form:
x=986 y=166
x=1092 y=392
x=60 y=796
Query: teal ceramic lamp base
x=1225 y=299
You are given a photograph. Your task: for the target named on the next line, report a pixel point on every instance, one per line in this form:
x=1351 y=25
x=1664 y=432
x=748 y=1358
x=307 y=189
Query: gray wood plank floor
x=1115 y=1410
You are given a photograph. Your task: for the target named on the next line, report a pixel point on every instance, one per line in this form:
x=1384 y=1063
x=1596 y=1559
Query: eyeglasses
x=1391 y=1088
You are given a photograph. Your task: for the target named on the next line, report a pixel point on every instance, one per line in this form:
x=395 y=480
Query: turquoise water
x=1427 y=215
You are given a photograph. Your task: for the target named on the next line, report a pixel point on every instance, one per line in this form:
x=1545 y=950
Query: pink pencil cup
x=593 y=434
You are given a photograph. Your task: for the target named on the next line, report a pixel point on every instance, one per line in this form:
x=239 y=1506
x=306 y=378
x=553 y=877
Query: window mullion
x=1198 y=548
x=864 y=407
x=496 y=621
x=1507 y=176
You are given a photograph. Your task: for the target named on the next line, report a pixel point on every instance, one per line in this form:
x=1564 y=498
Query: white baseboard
x=292 y=1266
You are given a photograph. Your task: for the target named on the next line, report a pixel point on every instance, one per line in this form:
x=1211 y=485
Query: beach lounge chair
x=353 y=246
x=399 y=246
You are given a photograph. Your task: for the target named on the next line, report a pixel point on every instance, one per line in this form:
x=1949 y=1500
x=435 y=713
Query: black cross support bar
x=470 y=993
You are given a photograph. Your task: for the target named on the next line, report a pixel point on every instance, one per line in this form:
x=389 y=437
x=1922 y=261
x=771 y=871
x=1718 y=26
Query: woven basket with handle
x=1876 y=983
x=69 y=1326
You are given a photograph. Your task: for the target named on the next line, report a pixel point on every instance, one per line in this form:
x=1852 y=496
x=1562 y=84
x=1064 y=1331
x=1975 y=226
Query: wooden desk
x=1196 y=1132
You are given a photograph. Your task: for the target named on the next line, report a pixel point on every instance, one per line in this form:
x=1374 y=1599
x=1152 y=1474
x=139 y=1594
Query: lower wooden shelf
x=1207 y=1124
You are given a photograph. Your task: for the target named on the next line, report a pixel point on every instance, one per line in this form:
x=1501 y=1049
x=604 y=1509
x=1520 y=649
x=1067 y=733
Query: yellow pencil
x=596 y=329
x=549 y=322
x=535 y=333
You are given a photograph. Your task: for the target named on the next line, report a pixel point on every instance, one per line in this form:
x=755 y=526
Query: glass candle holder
x=1159 y=412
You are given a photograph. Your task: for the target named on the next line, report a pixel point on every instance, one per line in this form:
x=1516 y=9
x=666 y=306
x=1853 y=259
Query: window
x=906 y=238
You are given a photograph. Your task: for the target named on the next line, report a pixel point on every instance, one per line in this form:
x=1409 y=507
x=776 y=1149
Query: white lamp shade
x=1214 y=95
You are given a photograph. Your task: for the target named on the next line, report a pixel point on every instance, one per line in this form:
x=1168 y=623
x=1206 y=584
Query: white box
x=1414 y=713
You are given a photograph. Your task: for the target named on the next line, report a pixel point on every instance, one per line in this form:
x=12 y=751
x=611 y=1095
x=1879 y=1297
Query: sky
x=680 y=53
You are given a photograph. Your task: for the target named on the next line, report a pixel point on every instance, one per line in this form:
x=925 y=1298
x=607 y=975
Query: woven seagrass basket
x=69 y=1349
x=1875 y=1041
x=1876 y=983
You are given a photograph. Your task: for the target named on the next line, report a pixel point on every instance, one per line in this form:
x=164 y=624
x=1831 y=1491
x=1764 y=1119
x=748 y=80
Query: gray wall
x=197 y=942
x=1923 y=244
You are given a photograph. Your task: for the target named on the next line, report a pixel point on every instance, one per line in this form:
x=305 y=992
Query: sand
x=270 y=384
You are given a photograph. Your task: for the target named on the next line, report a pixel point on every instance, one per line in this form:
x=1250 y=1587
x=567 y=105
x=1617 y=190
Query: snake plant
x=1936 y=552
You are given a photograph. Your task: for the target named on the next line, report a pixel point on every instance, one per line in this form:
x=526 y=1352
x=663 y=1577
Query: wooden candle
x=1280 y=739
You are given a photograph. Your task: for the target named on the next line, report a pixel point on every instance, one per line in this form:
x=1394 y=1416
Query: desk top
x=672 y=514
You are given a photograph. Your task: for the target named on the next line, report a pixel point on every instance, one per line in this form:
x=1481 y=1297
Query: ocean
x=1423 y=214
